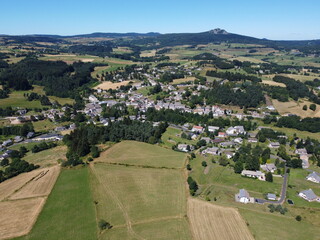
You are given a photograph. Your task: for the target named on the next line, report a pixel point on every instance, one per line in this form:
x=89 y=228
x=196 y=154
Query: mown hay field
x=210 y=222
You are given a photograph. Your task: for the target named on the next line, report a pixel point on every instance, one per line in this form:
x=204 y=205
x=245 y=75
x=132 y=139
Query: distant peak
x=218 y=31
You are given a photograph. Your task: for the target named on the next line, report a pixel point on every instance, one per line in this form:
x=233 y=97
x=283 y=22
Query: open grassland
x=47 y=157
x=16 y=99
x=107 y=85
x=40 y=186
x=140 y=203
x=17 y=217
x=298 y=77
x=265 y=226
x=273 y=83
x=148 y=53
x=69 y=211
x=210 y=222
x=142 y=154
x=44 y=125
x=295 y=107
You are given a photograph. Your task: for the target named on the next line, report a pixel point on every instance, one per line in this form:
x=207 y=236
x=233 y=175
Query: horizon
x=272 y=20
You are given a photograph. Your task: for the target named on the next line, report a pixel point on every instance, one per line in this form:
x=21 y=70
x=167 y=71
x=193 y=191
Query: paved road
x=283 y=191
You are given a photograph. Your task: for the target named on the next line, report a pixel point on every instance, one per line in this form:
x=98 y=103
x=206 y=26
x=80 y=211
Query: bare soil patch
x=107 y=85
x=208 y=221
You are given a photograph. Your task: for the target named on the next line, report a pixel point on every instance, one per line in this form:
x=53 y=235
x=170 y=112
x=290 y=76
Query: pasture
x=69 y=211
x=210 y=222
x=142 y=154
x=141 y=203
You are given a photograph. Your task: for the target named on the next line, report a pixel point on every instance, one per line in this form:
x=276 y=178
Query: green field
x=142 y=154
x=69 y=211
x=172 y=136
x=16 y=99
x=150 y=203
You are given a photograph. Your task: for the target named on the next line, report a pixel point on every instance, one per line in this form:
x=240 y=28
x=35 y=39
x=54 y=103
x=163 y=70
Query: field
x=172 y=136
x=142 y=154
x=182 y=80
x=47 y=157
x=22 y=199
x=17 y=217
x=210 y=222
x=142 y=200
x=69 y=211
x=294 y=107
x=16 y=99
x=107 y=85
x=273 y=83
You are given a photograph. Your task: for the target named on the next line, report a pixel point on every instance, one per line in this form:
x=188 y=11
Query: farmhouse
x=309 y=195
x=313 y=177
x=254 y=174
x=243 y=197
x=268 y=167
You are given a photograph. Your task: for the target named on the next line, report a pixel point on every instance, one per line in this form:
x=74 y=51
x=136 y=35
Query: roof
x=314 y=175
x=243 y=193
x=310 y=195
x=271 y=196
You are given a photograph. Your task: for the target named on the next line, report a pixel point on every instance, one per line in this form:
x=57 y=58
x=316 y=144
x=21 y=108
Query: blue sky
x=282 y=19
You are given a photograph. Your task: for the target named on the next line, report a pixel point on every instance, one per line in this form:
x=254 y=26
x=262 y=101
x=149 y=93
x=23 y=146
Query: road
x=283 y=191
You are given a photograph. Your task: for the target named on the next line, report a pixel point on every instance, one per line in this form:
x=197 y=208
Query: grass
x=152 y=200
x=142 y=154
x=295 y=107
x=44 y=125
x=17 y=100
x=69 y=211
x=47 y=157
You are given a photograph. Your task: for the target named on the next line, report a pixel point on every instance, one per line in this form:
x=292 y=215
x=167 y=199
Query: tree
x=94 y=151
x=193 y=186
x=298 y=218
x=104 y=225
x=305 y=107
x=23 y=150
x=223 y=160
x=269 y=177
x=238 y=167
x=204 y=164
x=4 y=162
x=313 y=107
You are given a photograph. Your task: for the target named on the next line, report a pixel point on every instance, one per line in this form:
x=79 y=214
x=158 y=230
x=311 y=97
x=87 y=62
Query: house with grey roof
x=271 y=196
x=254 y=174
x=309 y=195
x=314 y=177
x=243 y=197
x=268 y=167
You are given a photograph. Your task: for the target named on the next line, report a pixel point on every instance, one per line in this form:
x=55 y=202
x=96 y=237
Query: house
x=271 y=196
x=197 y=129
x=231 y=131
x=49 y=137
x=185 y=147
x=213 y=128
x=226 y=144
x=313 y=177
x=18 y=139
x=222 y=134
x=59 y=129
x=238 y=140
x=254 y=174
x=309 y=195
x=93 y=99
x=229 y=154
x=301 y=151
x=212 y=151
x=30 y=135
x=243 y=197
x=274 y=145
x=268 y=167
x=7 y=143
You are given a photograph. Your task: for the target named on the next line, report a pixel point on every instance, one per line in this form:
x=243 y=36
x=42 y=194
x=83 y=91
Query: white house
x=185 y=147
x=243 y=197
x=309 y=195
x=274 y=145
x=313 y=177
x=254 y=174
x=213 y=128
x=268 y=167
x=271 y=196
x=212 y=151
